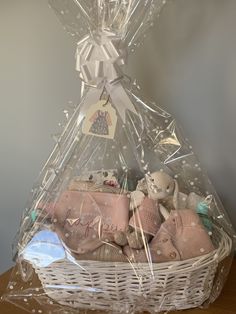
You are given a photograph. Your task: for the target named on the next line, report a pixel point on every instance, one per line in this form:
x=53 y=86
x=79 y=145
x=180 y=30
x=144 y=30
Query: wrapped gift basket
x=123 y=218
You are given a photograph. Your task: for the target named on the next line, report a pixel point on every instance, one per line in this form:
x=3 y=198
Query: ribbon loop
x=98 y=62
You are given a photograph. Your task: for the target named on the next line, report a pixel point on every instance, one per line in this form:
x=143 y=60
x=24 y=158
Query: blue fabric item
x=33 y=215
x=44 y=249
x=203 y=210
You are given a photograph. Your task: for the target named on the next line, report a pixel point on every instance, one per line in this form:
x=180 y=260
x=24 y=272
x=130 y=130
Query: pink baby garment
x=181 y=236
x=85 y=220
x=146 y=217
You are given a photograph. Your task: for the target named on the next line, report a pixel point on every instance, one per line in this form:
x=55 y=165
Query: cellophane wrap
x=122 y=218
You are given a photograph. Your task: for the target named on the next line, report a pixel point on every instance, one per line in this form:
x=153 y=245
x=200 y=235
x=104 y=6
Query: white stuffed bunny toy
x=156 y=186
x=161 y=187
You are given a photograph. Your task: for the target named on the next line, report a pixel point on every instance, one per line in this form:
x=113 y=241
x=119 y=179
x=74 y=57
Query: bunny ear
x=176 y=196
x=164 y=212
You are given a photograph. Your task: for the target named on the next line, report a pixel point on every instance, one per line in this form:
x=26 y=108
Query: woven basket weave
x=122 y=287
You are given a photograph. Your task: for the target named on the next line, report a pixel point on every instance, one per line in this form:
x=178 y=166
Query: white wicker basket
x=121 y=286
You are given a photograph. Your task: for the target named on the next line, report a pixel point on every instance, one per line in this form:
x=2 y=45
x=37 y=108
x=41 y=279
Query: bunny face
x=160 y=185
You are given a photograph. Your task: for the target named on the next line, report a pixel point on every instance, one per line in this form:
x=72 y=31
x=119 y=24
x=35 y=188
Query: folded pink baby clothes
x=146 y=217
x=191 y=238
x=85 y=220
x=181 y=236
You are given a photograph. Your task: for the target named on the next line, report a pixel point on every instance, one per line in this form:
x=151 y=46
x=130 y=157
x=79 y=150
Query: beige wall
x=190 y=68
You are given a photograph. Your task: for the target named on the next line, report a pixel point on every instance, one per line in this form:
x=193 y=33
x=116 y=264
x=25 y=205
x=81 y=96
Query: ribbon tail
x=91 y=97
x=120 y=100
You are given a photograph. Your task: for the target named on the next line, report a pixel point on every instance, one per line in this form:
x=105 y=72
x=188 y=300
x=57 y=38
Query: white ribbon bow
x=98 y=62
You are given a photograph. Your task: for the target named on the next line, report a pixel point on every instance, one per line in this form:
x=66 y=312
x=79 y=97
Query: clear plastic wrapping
x=123 y=218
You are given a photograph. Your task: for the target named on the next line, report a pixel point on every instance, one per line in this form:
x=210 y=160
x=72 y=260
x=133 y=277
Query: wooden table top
x=225 y=304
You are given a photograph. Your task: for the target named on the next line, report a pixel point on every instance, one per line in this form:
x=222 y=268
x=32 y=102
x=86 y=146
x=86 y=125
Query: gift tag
x=100 y=120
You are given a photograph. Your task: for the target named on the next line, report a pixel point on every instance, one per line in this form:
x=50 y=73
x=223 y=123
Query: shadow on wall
x=191 y=58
